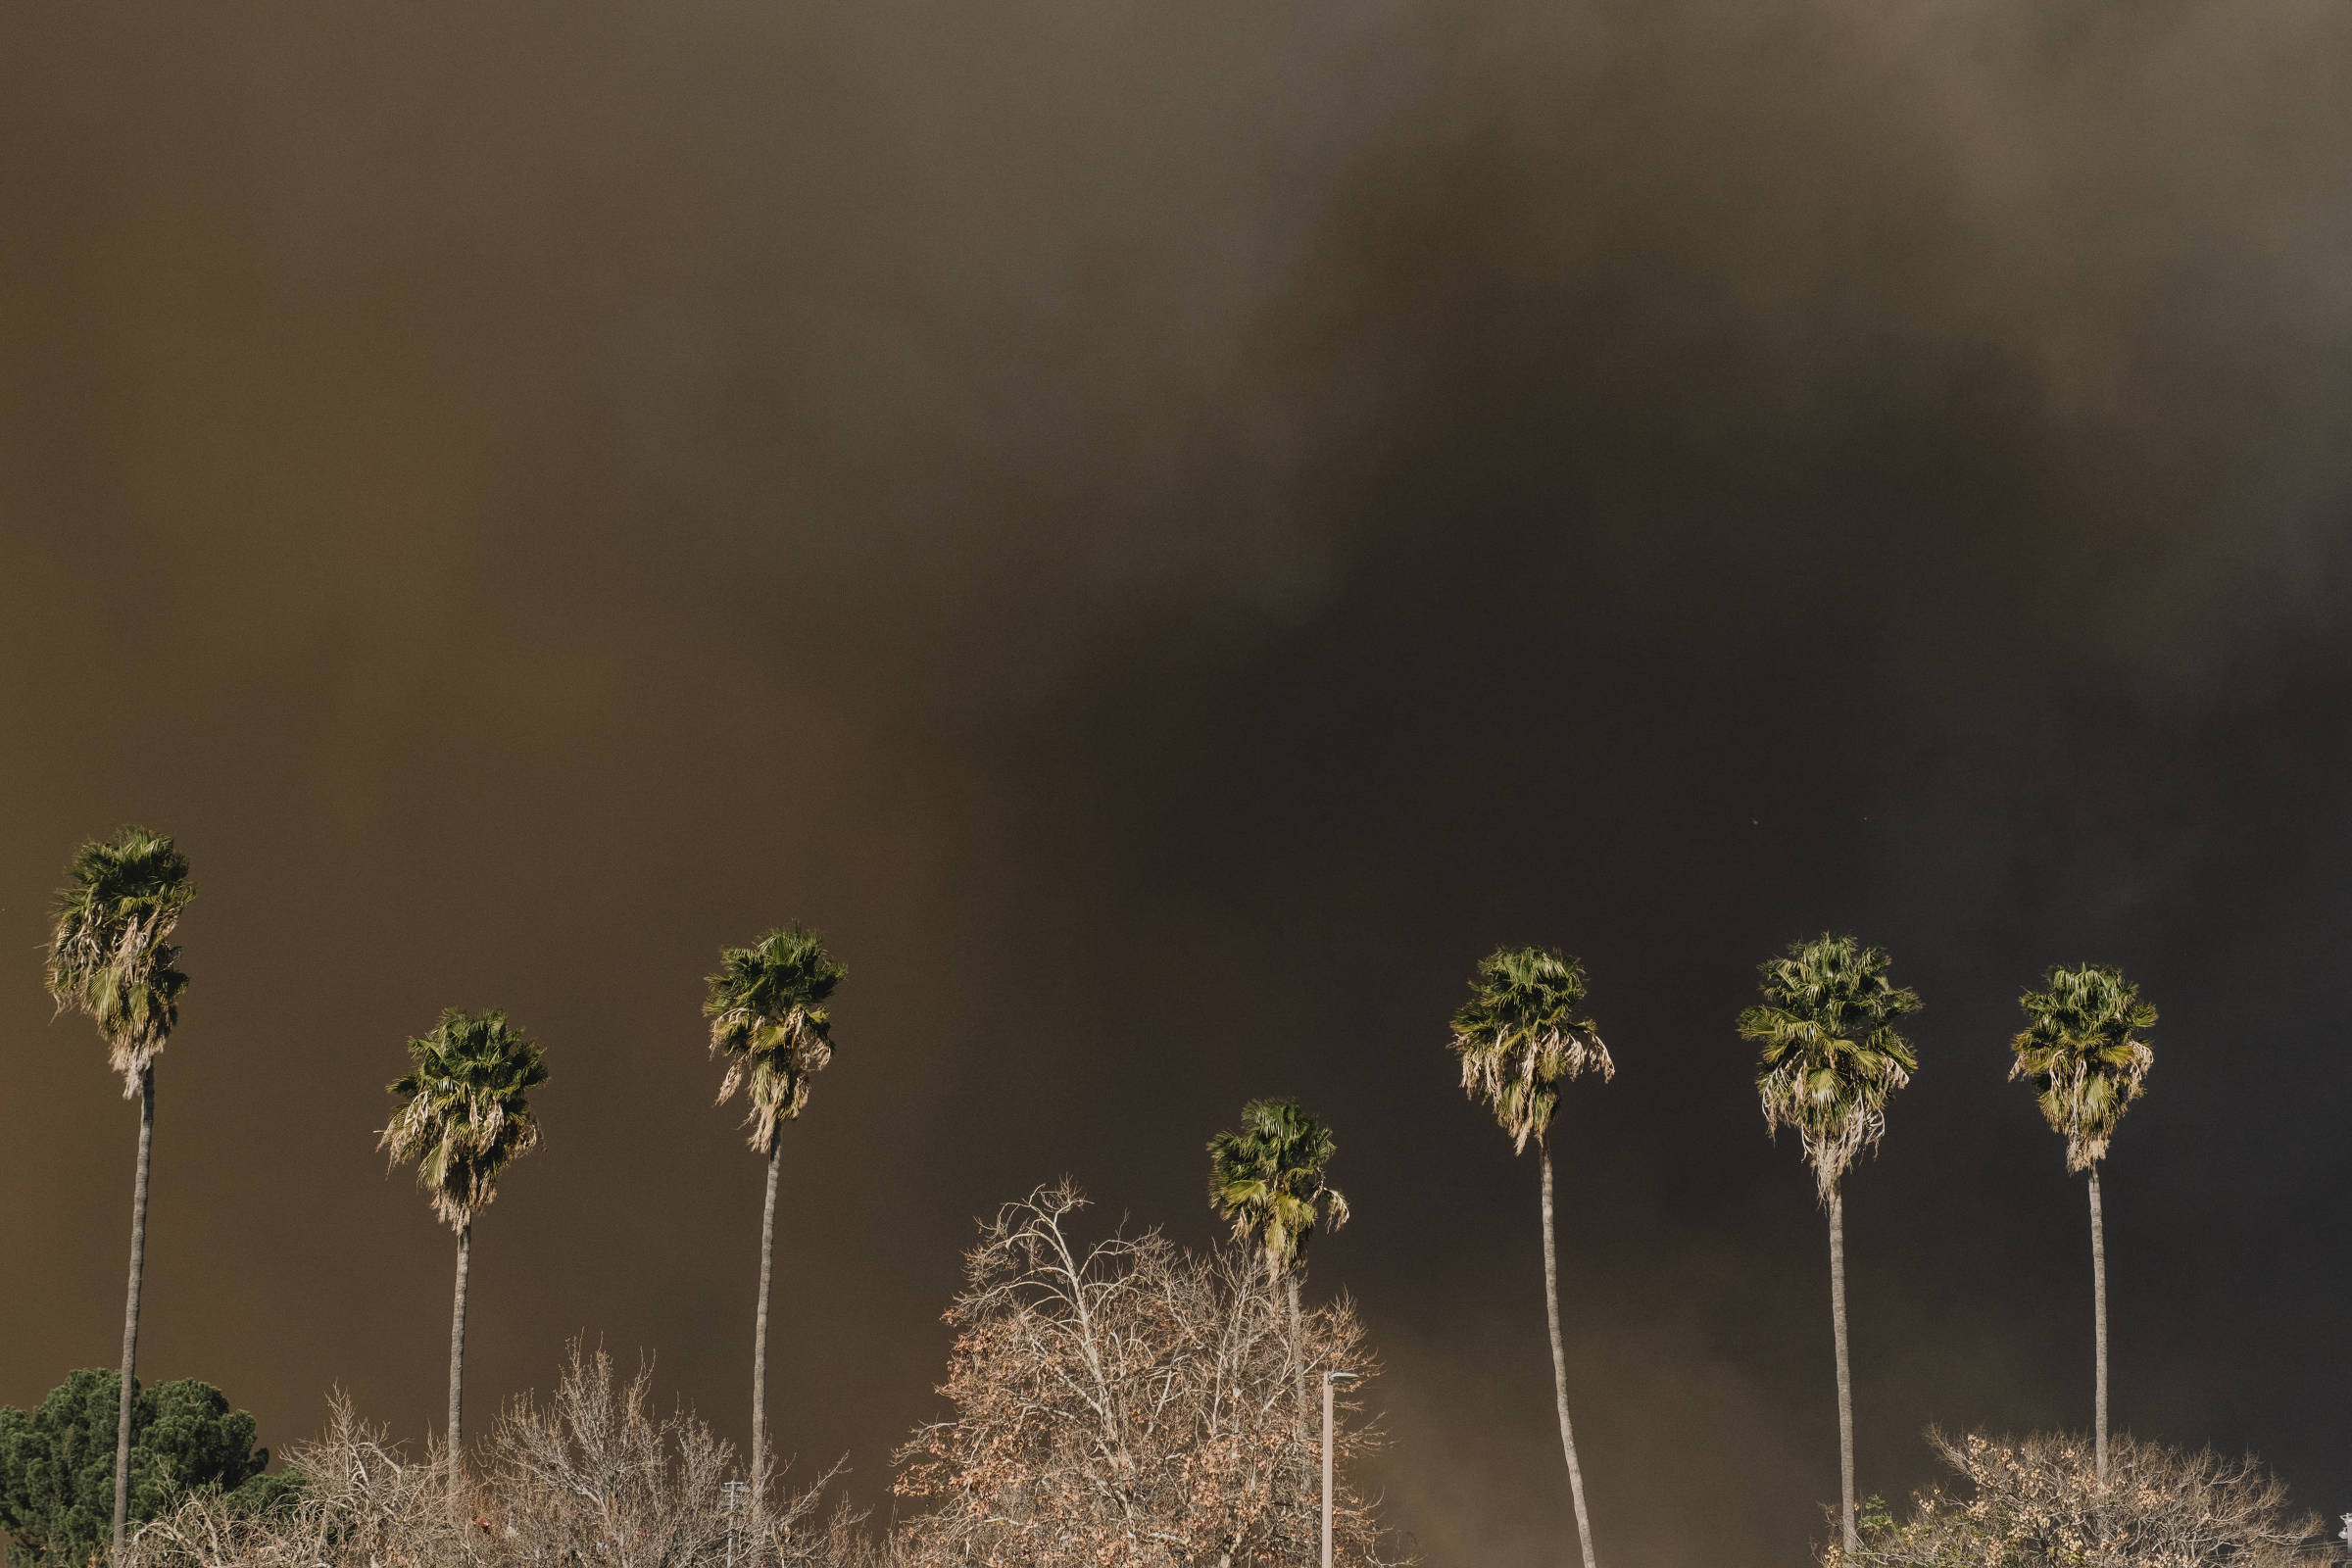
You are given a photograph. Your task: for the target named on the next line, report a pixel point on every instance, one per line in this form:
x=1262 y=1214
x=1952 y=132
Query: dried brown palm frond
x=110 y=950
x=1830 y=1057
x=2082 y=1047
x=770 y=1026
x=465 y=1113
x=1519 y=1036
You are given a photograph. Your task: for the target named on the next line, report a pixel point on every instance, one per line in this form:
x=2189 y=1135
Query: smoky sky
x=1169 y=530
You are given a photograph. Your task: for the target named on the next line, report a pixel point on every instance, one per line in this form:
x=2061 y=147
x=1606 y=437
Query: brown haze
x=1168 y=530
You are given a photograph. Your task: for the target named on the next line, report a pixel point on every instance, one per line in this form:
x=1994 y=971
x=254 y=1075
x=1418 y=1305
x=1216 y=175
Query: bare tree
x=1123 y=1402
x=592 y=1478
x=2038 y=1502
x=363 y=1501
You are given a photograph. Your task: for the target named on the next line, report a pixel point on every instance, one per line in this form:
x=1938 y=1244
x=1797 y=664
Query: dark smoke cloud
x=1169 y=530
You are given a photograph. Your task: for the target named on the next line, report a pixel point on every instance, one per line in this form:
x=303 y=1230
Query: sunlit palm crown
x=769 y=1021
x=1831 y=1058
x=110 y=953
x=466 y=1110
x=1267 y=1178
x=2082 y=1047
x=1519 y=1038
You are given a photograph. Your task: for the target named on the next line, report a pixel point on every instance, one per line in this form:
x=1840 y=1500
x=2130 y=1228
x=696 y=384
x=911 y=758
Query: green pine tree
x=57 y=1462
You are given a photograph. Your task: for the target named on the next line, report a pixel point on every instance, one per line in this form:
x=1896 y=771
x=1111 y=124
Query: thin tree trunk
x=457 y=1361
x=2098 y=1319
x=768 y=1258
x=1846 y=1382
x=1559 y=1364
x=130 y=1306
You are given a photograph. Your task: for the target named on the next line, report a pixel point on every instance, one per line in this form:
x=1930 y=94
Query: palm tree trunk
x=768 y=1258
x=2098 y=1319
x=1297 y=1354
x=1559 y=1364
x=130 y=1306
x=1846 y=1382
x=457 y=1359
x=1304 y=1439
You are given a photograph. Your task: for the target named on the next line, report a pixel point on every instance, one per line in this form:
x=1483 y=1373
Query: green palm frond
x=1832 y=1057
x=1519 y=1038
x=1267 y=1178
x=770 y=1025
x=466 y=1110
x=2082 y=1047
x=109 y=949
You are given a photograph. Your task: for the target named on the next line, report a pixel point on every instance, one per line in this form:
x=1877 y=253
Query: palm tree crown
x=2082 y=1047
x=1267 y=1178
x=467 y=1110
x=1832 y=1057
x=110 y=953
x=1519 y=1038
x=768 y=1019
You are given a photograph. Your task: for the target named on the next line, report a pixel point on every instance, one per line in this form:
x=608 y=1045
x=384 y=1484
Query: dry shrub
x=2037 y=1503
x=1128 y=1402
x=591 y=1478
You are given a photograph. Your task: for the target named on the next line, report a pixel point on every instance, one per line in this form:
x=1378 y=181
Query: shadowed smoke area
x=1168 y=531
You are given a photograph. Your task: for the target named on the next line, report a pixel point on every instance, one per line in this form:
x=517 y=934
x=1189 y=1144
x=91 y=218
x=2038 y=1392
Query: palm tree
x=2082 y=1047
x=770 y=1024
x=1267 y=1179
x=111 y=957
x=1831 y=1061
x=1519 y=1038
x=465 y=1114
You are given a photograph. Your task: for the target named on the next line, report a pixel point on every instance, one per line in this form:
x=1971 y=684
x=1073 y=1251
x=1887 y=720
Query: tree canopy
x=1832 y=1057
x=2082 y=1047
x=2040 y=1502
x=57 y=1462
x=466 y=1110
x=770 y=1025
x=1124 y=1402
x=109 y=949
x=1267 y=1178
x=1519 y=1038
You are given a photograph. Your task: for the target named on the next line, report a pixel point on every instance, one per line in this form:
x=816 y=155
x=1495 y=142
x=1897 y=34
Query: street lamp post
x=734 y=1490
x=1329 y=1378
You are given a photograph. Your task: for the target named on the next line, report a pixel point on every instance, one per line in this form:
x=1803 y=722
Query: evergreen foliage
x=57 y=1462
